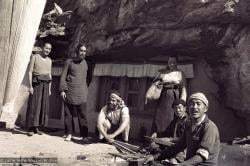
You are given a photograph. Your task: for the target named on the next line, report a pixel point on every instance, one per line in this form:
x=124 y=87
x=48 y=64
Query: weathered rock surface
x=216 y=30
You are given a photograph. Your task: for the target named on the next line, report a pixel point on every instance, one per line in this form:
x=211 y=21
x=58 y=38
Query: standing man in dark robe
x=73 y=90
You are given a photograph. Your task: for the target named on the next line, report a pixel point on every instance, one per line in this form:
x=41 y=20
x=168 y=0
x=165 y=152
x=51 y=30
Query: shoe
x=37 y=131
x=86 y=140
x=30 y=133
x=103 y=140
x=68 y=138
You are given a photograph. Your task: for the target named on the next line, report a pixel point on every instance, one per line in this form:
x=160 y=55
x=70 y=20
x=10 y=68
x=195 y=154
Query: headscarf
x=121 y=102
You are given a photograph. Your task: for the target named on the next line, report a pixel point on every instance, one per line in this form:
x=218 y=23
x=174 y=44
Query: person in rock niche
x=74 y=90
x=174 y=87
x=40 y=90
x=113 y=119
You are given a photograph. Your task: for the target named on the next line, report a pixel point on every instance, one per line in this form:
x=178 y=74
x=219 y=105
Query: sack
x=154 y=91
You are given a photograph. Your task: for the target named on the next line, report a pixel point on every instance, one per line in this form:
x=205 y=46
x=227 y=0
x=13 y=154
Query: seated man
x=201 y=137
x=114 y=117
x=175 y=130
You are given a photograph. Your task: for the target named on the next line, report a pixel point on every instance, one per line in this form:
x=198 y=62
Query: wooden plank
x=122 y=147
x=137 y=70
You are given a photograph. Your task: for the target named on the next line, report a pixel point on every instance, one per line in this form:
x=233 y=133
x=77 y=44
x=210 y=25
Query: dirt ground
x=16 y=144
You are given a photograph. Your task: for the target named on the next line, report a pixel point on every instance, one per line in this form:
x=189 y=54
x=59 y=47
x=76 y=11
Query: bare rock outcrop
x=216 y=30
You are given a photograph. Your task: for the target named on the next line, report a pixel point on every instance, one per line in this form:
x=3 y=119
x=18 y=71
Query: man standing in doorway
x=73 y=90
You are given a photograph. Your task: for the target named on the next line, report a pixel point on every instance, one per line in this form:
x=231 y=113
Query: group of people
x=195 y=137
x=73 y=91
x=183 y=122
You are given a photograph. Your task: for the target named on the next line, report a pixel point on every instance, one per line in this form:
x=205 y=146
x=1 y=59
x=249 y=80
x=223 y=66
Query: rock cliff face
x=216 y=30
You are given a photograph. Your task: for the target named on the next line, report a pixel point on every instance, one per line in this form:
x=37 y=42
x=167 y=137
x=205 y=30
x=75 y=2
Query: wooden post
x=19 y=22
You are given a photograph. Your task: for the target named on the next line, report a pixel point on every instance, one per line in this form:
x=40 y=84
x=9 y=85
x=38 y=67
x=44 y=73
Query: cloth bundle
x=154 y=91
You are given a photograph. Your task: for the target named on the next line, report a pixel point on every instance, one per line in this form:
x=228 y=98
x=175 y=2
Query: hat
x=199 y=96
x=114 y=92
x=179 y=101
